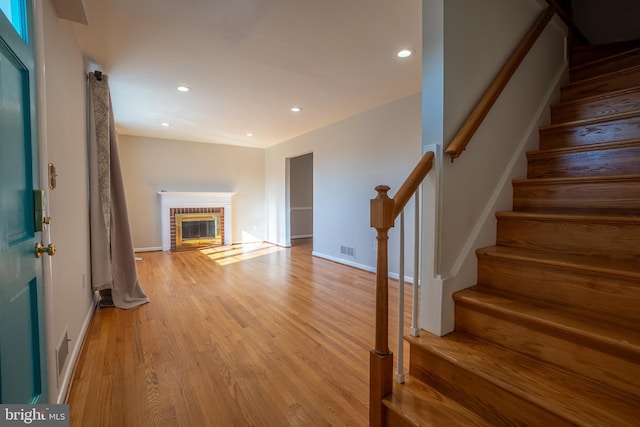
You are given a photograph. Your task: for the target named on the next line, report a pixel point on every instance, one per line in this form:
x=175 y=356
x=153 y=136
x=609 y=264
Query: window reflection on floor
x=225 y=255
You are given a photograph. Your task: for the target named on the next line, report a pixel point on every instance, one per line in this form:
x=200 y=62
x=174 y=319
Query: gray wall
x=301 y=196
x=604 y=21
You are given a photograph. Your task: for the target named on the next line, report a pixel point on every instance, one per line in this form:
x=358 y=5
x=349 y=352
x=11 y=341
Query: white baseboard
x=344 y=261
x=302 y=236
x=368 y=268
x=65 y=385
x=282 y=245
x=149 y=249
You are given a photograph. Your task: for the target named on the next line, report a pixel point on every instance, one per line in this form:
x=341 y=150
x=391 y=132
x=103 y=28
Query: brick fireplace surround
x=192 y=202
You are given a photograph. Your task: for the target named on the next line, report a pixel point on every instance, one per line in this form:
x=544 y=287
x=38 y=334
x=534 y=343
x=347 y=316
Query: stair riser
x=391 y=418
x=477 y=393
x=534 y=338
x=603 y=296
x=595 y=107
x=584 y=54
x=608 y=197
x=600 y=85
x=596 y=69
x=608 y=239
x=614 y=161
x=573 y=136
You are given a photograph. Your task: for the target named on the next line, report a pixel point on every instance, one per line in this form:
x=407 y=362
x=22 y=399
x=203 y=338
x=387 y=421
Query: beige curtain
x=113 y=265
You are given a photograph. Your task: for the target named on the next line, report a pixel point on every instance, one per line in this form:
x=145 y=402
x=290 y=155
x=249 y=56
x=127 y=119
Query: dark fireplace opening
x=193 y=230
x=197 y=230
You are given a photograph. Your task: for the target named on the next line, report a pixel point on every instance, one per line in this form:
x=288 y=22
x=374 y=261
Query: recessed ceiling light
x=183 y=88
x=249 y=133
x=405 y=53
x=165 y=124
x=296 y=109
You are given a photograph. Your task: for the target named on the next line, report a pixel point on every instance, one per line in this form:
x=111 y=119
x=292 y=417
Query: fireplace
x=197 y=230
x=196 y=227
x=195 y=219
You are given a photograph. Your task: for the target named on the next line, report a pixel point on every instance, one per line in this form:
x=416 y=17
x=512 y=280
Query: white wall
x=469 y=41
x=63 y=135
x=350 y=157
x=150 y=165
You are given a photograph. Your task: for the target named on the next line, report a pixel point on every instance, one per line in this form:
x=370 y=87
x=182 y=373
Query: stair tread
x=597 y=97
x=623 y=335
x=618 y=47
x=583 y=148
x=423 y=405
x=577 y=179
x=576 y=399
x=599 y=265
x=606 y=60
x=604 y=76
x=591 y=121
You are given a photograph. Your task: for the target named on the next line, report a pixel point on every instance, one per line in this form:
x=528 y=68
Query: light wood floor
x=252 y=335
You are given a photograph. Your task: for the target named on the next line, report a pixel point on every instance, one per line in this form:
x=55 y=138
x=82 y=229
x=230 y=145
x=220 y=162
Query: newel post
x=381 y=359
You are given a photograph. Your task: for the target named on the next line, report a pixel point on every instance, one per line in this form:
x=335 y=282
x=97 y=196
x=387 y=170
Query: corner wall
x=350 y=158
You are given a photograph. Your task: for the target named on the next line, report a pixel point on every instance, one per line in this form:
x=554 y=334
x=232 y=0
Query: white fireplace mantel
x=193 y=199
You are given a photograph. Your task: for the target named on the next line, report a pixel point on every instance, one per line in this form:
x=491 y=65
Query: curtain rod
x=98 y=75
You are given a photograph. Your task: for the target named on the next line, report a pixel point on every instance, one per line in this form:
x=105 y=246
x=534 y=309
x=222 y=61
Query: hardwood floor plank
x=243 y=335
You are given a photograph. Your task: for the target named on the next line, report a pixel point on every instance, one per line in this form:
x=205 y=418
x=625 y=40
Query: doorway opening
x=300 y=197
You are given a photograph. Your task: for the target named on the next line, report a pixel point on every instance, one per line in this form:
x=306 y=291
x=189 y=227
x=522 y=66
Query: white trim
x=47 y=273
x=149 y=249
x=407 y=279
x=65 y=384
x=185 y=199
x=344 y=261
x=277 y=244
x=301 y=236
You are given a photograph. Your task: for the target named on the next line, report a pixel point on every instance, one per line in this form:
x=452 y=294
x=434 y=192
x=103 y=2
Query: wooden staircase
x=550 y=335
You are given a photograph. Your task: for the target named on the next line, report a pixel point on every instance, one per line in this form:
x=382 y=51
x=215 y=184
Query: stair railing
x=384 y=211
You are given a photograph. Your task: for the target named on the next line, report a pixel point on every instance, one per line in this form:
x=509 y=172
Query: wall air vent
x=348 y=251
x=62 y=351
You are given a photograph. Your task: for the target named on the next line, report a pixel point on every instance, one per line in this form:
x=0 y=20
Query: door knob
x=49 y=250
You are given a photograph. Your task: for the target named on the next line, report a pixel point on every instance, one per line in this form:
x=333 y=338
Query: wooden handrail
x=411 y=184
x=468 y=129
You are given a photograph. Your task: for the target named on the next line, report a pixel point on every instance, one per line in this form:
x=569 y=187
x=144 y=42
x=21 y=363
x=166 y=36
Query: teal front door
x=23 y=376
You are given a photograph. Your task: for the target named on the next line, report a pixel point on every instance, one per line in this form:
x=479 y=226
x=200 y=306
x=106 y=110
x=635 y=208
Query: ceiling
x=248 y=62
